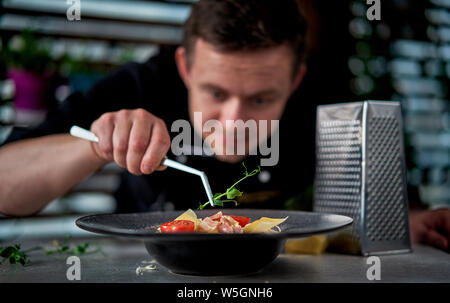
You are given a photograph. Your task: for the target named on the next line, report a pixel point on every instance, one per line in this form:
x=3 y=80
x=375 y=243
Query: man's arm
x=427 y=226
x=36 y=171
x=431 y=227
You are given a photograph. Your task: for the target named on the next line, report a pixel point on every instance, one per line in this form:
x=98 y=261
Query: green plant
x=64 y=248
x=73 y=66
x=15 y=255
x=25 y=51
x=232 y=192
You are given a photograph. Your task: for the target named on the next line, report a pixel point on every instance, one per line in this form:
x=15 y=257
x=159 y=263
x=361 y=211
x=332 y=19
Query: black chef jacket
x=156 y=86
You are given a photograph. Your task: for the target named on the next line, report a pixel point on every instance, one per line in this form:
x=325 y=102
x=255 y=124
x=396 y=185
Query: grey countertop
x=123 y=257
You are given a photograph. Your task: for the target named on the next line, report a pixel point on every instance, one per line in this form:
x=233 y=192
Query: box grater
x=361 y=173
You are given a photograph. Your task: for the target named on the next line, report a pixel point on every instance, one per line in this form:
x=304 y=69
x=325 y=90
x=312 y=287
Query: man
x=240 y=60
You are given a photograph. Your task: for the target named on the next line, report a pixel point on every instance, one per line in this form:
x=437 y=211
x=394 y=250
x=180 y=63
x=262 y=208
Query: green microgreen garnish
x=64 y=248
x=232 y=192
x=14 y=255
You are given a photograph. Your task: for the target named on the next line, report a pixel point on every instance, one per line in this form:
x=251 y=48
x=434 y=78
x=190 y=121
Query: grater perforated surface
x=384 y=192
x=338 y=170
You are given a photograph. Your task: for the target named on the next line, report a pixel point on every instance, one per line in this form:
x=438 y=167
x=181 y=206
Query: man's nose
x=232 y=110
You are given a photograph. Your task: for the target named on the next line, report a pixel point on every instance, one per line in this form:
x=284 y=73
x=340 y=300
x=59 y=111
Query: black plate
x=212 y=254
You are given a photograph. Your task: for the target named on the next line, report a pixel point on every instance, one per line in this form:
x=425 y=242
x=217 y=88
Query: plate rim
x=148 y=235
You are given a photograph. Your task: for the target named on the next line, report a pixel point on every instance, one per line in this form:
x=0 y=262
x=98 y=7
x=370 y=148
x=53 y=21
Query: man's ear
x=299 y=77
x=181 y=61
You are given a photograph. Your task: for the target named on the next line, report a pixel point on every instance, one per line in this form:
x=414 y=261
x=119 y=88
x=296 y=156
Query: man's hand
x=135 y=139
x=431 y=227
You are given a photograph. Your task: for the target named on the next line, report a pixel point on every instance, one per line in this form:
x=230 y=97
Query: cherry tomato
x=241 y=220
x=177 y=226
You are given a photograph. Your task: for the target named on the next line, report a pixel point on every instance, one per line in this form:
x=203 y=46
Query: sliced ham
x=225 y=226
x=216 y=217
x=220 y=223
x=208 y=225
x=229 y=225
x=238 y=230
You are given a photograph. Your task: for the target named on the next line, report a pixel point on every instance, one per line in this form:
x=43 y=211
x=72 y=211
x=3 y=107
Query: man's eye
x=260 y=101
x=217 y=95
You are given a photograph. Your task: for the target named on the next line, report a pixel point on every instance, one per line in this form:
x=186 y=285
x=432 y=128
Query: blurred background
x=405 y=56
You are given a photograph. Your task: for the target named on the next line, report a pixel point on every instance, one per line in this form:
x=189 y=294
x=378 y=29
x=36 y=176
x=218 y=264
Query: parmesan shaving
x=263 y=225
x=148 y=268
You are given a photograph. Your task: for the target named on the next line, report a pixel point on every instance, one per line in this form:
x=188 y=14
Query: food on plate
x=177 y=226
x=241 y=220
x=220 y=223
x=232 y=192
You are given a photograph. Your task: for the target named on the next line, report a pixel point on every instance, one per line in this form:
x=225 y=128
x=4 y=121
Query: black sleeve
x=126 y=88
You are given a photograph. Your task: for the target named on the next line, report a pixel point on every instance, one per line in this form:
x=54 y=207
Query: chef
x=239 y=61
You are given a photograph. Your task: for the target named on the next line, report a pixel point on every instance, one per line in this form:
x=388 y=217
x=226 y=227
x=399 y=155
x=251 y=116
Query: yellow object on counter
x=344 y=242
x=314 y=245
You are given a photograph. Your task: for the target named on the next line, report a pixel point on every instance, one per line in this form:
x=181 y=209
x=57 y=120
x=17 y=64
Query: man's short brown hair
x=235 y=25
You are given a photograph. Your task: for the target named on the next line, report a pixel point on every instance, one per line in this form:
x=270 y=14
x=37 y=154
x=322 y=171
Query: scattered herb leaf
x=14 y=255
x=64 y=248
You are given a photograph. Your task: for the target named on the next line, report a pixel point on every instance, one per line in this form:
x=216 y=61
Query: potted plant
x=30 y=66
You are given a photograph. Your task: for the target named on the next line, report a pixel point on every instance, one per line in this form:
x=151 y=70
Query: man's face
x=247 y=85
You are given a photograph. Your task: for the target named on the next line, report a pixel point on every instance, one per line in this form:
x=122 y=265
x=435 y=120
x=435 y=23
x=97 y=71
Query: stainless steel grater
x=361 y=173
